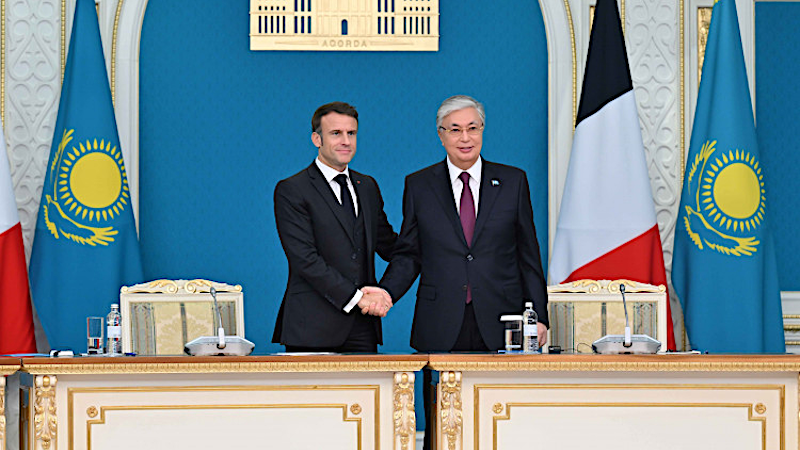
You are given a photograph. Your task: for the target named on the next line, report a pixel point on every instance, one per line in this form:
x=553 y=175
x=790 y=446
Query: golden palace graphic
x=729 y=197
x=372 y=25
x=90 y=190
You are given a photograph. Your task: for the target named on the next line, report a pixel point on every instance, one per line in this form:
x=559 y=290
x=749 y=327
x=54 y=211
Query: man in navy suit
x=468 y=232
x=331 y=222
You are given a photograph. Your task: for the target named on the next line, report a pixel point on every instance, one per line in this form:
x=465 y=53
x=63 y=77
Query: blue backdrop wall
x=777 y=112
x=221 y=125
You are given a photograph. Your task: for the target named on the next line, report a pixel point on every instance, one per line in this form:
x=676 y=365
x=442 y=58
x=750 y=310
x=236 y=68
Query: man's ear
x=316 y=139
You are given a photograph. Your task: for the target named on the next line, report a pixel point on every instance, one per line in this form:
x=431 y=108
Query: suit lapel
x=365 y=199
x=325 y=191
x=490 y=189
x=443 y=189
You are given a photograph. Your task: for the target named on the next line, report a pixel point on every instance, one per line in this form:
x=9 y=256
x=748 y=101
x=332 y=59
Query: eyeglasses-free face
x=461 y=134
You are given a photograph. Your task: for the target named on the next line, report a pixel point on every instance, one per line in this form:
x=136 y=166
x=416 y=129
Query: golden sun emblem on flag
x=90 y=189
x=729 y=201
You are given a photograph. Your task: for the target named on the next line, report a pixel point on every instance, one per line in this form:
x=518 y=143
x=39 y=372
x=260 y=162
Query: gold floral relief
x=2 y=412
x=405 y=421
x=450 y=404
x=45 y=421
x=703 y=23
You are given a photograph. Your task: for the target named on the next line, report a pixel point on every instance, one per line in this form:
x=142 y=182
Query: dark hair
x=337 y=107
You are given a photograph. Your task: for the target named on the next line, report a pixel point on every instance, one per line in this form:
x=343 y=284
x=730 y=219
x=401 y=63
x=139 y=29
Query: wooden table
x=300 y=402
x=617 y=402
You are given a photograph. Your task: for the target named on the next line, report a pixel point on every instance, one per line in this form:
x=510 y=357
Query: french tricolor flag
x=607 y=225
x=16 y=317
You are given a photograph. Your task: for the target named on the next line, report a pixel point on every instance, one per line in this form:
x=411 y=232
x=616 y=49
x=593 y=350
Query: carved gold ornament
x=760 y=408
x=91 y=411
x=355 y=408
x=451 y=414
x=497 y=408
x=405 y=421
x=196 y=286
x=2 y=412
x=44 y=419
x=605 y=287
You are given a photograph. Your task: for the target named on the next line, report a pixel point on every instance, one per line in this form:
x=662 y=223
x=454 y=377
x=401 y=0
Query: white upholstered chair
x=586 y=310
x=160 y=316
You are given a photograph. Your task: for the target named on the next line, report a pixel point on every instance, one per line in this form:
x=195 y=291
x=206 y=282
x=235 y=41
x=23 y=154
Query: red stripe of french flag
x=16 y=315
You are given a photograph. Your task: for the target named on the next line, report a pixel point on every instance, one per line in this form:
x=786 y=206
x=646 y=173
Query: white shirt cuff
x=354 y=301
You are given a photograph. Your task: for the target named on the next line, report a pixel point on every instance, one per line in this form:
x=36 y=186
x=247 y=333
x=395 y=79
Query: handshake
x=375 y=301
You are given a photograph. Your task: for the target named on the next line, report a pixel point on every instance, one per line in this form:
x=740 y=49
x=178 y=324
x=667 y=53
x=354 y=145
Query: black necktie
x=347 y=199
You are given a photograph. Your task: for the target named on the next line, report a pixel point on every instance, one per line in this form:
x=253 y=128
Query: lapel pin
x=495 y=182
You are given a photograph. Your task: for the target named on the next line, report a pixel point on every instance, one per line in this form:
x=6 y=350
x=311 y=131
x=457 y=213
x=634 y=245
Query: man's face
x=337 y=140
x=462 y=137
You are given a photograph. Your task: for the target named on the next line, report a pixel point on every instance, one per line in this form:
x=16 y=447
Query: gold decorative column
x=450 y=414
x=405 y=420
x=44 y=419
x=2 y=412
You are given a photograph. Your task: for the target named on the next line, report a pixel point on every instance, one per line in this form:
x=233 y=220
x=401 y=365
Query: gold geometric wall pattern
x=344 y=25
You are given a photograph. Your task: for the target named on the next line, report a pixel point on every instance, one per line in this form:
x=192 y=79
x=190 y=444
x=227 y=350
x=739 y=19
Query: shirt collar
x=329 y=172
x=474 y=171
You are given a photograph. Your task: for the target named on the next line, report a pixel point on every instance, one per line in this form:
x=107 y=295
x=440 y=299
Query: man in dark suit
x=331 y=223
x=468 y=232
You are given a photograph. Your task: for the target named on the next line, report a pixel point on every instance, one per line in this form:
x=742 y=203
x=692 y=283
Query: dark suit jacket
x=321 y=251
x=502 y=266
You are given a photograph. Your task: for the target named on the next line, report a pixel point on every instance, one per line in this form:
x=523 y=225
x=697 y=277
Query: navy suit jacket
x=502 y=266
x=321 y=250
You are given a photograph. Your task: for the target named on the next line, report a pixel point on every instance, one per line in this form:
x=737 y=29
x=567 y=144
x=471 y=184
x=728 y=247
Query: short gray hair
x=457 y=103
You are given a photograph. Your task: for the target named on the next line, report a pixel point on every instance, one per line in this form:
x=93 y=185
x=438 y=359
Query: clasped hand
x=375 y=301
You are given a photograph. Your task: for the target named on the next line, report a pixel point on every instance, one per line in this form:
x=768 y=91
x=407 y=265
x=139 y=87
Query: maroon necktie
x=467 y=213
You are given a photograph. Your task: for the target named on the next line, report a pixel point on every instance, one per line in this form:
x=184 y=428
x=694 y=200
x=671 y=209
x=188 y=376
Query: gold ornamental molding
x=45 y=421
x=349 y=25
x=105 y=409
x=6 y=370
x=538 y=365
x=355 y=409
x=759 y=408
x=605 y=287
x=2 y=413
x=196 y=286
x=450 y=409
x=235 y=367
x=405 y=422
x=750 y=416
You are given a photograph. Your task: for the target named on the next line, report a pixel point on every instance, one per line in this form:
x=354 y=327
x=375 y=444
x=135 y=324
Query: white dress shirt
x=458 y=186
x=330 y=173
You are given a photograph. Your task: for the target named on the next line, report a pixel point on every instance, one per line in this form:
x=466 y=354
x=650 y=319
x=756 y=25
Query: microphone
x=219 y=345
x=221 y=330
x=615 y=344
x=625 y=343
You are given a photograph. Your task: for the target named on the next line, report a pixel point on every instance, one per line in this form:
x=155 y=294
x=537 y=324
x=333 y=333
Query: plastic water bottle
x=114 y=331
x=530 y=332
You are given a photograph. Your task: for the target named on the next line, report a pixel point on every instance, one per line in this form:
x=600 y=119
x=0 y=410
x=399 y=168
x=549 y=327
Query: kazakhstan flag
x=723 y=268
x=85 y=247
